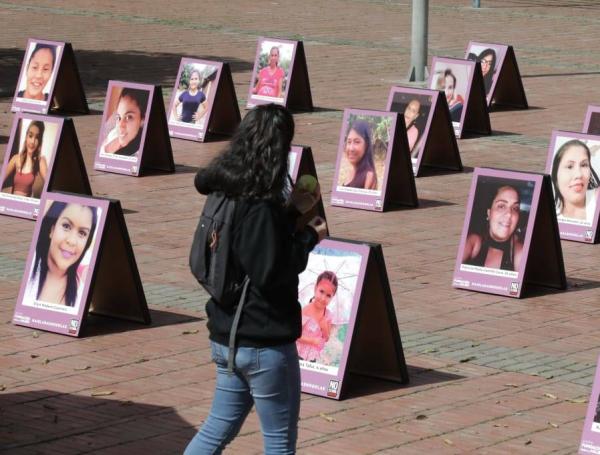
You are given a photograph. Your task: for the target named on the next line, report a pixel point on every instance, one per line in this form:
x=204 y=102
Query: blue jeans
x=267 y=377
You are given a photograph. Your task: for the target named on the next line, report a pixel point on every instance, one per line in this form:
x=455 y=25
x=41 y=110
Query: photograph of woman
x=34 y=84
x=271 y=70
x=357 y=168
x=66 y=233
x=498 y=224
x=447 y=83
x=575 y=181
x=27 y=169
x=411 y=114
x=487 y=60
x=416 y=108
x=124 y=126
x=190 y=103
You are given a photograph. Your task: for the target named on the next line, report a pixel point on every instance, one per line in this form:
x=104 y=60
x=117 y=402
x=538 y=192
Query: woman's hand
x=320 y=227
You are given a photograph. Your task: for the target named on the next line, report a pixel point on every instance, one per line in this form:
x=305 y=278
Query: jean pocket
x=218 y=353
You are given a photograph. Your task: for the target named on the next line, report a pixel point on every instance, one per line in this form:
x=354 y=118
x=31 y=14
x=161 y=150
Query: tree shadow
x=47 y=421
x=101 y=325
x=97 y=67
x=357 y=385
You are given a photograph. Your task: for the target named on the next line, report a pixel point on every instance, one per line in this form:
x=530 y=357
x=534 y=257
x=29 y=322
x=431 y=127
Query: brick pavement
x=488 y=374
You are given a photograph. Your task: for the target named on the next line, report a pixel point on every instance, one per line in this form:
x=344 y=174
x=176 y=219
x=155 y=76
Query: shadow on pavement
x=47 y=421
x=359 y=385
x=102 y=325
x=98 y=67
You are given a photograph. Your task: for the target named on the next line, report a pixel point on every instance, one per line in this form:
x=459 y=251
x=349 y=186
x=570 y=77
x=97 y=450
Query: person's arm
x=43 y=167
x=325 y=325
x=280 y=86
x=11 y=168
x=258 y=79
x=200 y=112
x=175 y=106
x=518 y=252
x=472 y=247
x=370 y=183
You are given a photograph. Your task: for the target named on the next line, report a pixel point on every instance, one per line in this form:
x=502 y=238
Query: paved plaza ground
x=488 y=374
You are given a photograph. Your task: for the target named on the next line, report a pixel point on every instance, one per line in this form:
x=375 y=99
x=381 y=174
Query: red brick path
x=126 y=389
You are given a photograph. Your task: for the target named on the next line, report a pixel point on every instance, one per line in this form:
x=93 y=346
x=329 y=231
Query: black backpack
x=210 y=260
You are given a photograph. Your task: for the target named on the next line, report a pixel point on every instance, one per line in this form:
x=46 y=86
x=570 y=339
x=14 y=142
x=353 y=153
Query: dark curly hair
x=255 y=164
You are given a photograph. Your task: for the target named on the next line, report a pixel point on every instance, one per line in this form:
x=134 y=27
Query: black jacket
x=266 y=248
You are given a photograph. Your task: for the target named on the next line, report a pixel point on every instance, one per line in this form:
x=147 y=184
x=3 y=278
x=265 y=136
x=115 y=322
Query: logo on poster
x=36 y=212
x=73 y=324
x=332 y=389
x=378 y=203
x=589 y=235
x=514 y=288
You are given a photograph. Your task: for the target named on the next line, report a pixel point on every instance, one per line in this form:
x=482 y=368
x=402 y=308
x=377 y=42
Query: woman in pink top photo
x=26 y=171
x=270 y=78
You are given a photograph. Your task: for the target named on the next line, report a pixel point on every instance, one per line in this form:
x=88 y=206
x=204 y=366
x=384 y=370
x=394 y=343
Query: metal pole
x=476 y=3
x=418 y=58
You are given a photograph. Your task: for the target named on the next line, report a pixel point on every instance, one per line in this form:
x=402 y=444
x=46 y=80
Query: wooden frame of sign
x=577 y=224
x=468 y=108
x=504 y=248
x=590 y=436
x=301 y=162
x=60 y=156
x=220 y=115
x=102 y=265
x=150 y=149
x=62 y=91
x=591 y=125
x=503 y=86
x=363 y=334
x=392 y=175
x=263 y=89
x=431 y=138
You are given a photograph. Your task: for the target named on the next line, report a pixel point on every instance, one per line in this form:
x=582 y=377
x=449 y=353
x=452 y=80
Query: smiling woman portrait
x=38 y=72
x=575 y=182
x=358 y=152
x=496 y=242
x=125 y=137
x=66 y=233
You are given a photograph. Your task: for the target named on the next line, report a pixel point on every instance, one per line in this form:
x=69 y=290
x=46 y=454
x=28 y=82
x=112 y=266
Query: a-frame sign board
x=146 y=149
x=99 y=269
x=60 y=163
x=49 y=81
x=462 y=83
x=384 y=180
x=510 y=237
x=429 y=130
x=359 y=333
x=280 y=75
x=501 y=76
x=575 y=182
x=211 y=109
x=301 y=163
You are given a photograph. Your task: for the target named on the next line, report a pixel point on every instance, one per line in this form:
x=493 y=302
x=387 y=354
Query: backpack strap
x=234 y=327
